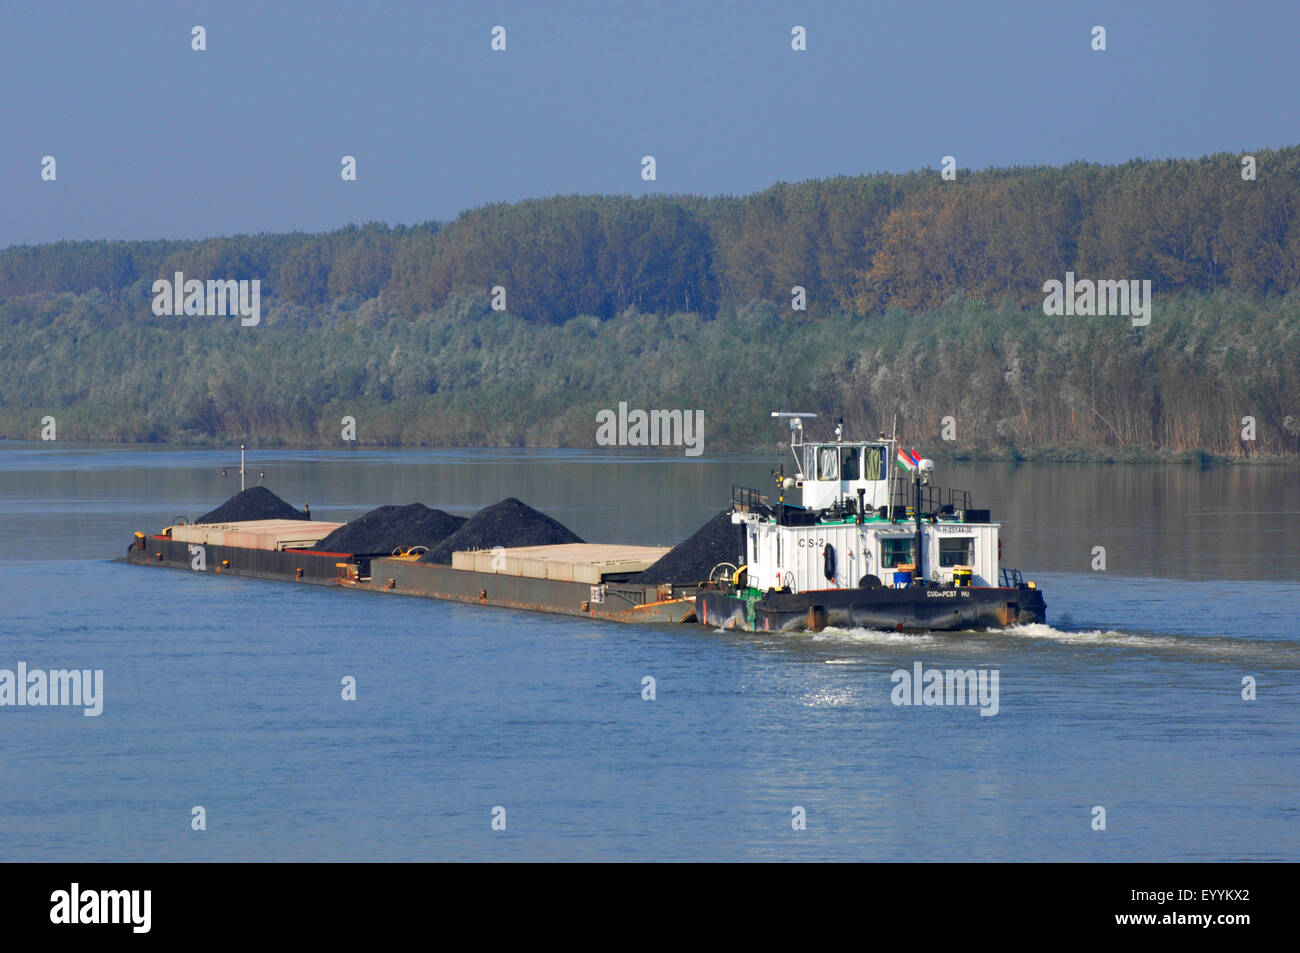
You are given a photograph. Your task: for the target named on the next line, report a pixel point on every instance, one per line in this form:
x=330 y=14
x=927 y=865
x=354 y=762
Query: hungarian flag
x=908 y=460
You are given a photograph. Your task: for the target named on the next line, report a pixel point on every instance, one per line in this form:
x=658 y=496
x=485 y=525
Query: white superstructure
x=857 y=520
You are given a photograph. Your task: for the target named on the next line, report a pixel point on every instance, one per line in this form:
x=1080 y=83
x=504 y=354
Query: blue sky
x=154 y=140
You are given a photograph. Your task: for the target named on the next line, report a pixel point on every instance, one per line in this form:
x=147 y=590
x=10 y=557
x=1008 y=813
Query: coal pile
x=387 y=528
x=255 y=503
x=508 y=523
x=691 y=560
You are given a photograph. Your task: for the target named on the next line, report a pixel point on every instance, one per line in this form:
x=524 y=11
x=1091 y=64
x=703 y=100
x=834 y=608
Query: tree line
x=1000 y=382
x=924 y=300
x=857 y=245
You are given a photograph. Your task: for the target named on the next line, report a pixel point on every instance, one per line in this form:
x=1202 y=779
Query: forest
x=924 y=298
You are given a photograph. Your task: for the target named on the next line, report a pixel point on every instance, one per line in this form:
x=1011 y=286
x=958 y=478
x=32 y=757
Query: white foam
x=1209 y=645
x=870 y=637
x=1041 y=630
x=989 y=639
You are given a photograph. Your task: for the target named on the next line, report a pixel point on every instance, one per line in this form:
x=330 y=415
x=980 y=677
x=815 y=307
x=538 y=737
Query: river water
x=224 y=693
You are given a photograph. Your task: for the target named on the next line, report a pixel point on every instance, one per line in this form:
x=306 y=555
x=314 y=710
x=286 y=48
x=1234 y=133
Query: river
x=224 y=693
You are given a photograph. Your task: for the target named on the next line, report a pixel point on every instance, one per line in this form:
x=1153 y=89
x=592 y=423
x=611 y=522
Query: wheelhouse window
x=957 y=551
x=828 y=463
x=850 y=457
x=897 y=551
x=874 y=462
x=846 y=463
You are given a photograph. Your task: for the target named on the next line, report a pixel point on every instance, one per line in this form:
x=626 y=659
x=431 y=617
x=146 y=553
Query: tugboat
x=872 y=544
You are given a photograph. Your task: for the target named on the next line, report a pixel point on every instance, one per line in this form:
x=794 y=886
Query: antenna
x=796 y=434
x=894 y=476
x=243 y=469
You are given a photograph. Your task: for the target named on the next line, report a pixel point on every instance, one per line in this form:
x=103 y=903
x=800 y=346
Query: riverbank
x=1079 y=455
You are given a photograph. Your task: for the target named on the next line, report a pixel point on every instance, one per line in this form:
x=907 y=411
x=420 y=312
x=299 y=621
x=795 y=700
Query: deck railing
x=745 y=498
x=933 y=498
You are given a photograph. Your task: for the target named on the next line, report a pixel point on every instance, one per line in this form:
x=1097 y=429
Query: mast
x=893 y=467
x=920 y=564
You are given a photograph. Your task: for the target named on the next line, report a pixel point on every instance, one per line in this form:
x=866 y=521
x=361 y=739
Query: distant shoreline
x=957 y=455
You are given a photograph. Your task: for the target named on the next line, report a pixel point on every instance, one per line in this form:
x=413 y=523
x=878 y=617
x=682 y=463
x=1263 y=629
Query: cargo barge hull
x=612 y=601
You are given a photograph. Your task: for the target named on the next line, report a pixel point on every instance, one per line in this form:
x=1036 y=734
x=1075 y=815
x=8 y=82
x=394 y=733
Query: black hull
x=914 y=609
x=621 y=602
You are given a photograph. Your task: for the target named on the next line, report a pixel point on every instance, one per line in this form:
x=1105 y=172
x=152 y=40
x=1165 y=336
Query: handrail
x=745 y=498
x=932 y=498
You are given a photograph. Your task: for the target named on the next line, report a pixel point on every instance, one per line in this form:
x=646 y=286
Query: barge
x=580 y=579
x=865 y=547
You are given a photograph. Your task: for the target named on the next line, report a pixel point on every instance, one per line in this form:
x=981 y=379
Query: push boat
x=866 y=546
x=873 y=543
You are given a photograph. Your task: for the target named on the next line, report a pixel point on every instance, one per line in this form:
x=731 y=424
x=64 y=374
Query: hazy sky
x=154 y=140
